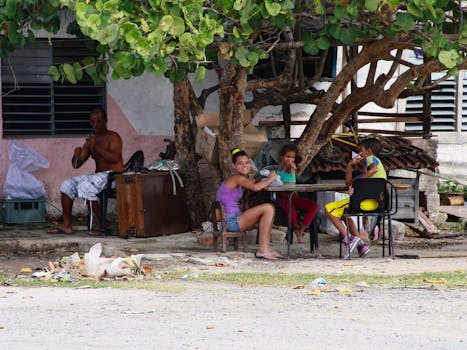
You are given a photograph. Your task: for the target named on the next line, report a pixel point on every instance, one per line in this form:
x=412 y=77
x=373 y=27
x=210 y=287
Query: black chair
x=135 y=164
x=281 y=218
x=384 y=195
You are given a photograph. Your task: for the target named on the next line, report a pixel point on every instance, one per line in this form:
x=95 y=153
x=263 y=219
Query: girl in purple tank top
x=230 y=192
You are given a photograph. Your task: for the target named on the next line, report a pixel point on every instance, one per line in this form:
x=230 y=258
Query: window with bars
x=33 y=104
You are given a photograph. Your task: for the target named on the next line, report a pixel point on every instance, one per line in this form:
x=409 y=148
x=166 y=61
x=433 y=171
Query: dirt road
x=219 y=316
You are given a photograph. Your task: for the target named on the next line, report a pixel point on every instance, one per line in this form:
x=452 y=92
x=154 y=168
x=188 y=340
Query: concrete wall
x=60 y=150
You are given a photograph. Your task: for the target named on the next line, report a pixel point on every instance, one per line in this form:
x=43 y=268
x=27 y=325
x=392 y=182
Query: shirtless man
x=105 y=147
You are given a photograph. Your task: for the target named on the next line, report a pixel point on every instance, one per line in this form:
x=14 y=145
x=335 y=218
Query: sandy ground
x=175 y=252
x=203 y=315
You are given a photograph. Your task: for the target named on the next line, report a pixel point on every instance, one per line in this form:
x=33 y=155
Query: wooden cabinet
x=147 y=206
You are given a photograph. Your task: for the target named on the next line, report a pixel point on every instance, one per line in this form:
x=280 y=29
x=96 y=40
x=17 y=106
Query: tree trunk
x=185 y=145
x=231 y=95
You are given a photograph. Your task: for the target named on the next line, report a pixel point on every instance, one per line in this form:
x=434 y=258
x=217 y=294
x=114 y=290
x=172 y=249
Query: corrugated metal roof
x=397 y=153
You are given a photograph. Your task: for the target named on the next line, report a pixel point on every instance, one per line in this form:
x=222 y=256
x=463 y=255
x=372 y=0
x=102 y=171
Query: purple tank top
x=230 y=198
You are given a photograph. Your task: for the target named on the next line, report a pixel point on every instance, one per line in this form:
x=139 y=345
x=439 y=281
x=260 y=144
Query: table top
x=308 y=188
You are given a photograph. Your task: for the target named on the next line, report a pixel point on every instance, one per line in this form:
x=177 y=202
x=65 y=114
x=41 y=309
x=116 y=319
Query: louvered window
x=443 y=107
x=464 y=101
x=33 y=104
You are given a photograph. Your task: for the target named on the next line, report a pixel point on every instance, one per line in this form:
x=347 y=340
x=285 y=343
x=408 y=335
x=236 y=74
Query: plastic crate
x=17 y=211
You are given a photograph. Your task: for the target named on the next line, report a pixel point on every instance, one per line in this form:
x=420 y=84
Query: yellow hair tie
x=235 y=151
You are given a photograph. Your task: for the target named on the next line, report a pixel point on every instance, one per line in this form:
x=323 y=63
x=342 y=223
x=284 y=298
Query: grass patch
x=172 y=280
x=457 y=279
x=149 y=284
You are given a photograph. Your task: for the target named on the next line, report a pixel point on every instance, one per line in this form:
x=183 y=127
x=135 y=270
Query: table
x=292 y=189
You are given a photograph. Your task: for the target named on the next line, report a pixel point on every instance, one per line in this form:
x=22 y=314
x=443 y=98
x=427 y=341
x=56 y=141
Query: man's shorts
x=85 y=186
x=232 y=223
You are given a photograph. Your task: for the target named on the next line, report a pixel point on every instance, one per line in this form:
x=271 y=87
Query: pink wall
x=59 y=151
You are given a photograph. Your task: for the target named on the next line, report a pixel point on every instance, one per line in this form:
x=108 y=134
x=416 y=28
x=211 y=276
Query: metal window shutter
x=443 y=107
x=41 y=106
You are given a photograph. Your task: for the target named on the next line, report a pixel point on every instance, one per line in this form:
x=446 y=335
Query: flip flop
x=265 y=256
x=58 y=230
x=277 y=255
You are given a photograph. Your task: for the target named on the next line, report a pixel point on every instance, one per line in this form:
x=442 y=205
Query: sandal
x=267 y=256
x=58 y=230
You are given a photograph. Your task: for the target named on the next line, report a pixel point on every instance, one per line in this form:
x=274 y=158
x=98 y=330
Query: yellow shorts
x=337 y=208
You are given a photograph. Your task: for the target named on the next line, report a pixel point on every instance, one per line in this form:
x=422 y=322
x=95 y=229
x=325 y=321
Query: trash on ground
x=93 y=264
x=361 y=284
x=139 y=312
x=318 y=282
x=427 y=280
x=101 y=267
x=345 y=291
x=314 y=291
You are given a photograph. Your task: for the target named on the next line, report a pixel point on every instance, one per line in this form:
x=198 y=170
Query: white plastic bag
x=19 y=183
x=104 y=267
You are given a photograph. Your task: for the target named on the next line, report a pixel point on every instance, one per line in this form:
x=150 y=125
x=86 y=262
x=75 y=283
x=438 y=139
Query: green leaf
x=371 y=5
x=236 y=32
x=318 y=7
x=273 y=8
x=93 y=22
x=405 y=21
x=323 y=43
x=54 y=74
x=133 y=36
x=144 y=25
x=10 y=7
x=414 y=10
x=166 y=22
x=205 y=39
x=69 y=73
x=125 y=59
x=352 y=10
x=138 y=67
x=287 y=5
x=449 y=58
x=78 y=71
x=310 y=45
x=238 y=5
x=253 y=58
x=178 y=27
x=200 y=73
x=186 y=39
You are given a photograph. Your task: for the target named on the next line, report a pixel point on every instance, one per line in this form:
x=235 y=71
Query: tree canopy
x=235 y=37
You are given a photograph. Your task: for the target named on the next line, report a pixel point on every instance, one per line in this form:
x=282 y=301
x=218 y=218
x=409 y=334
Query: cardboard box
x=211 y=119
x=206 y=145
x=252 y=142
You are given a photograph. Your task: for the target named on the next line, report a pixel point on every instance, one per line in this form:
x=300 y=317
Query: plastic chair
x=372 y=197
x=219 y=229
x=136 y=164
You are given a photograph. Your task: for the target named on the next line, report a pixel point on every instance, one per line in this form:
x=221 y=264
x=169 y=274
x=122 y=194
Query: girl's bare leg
x=263 y=215
x=338 y=223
